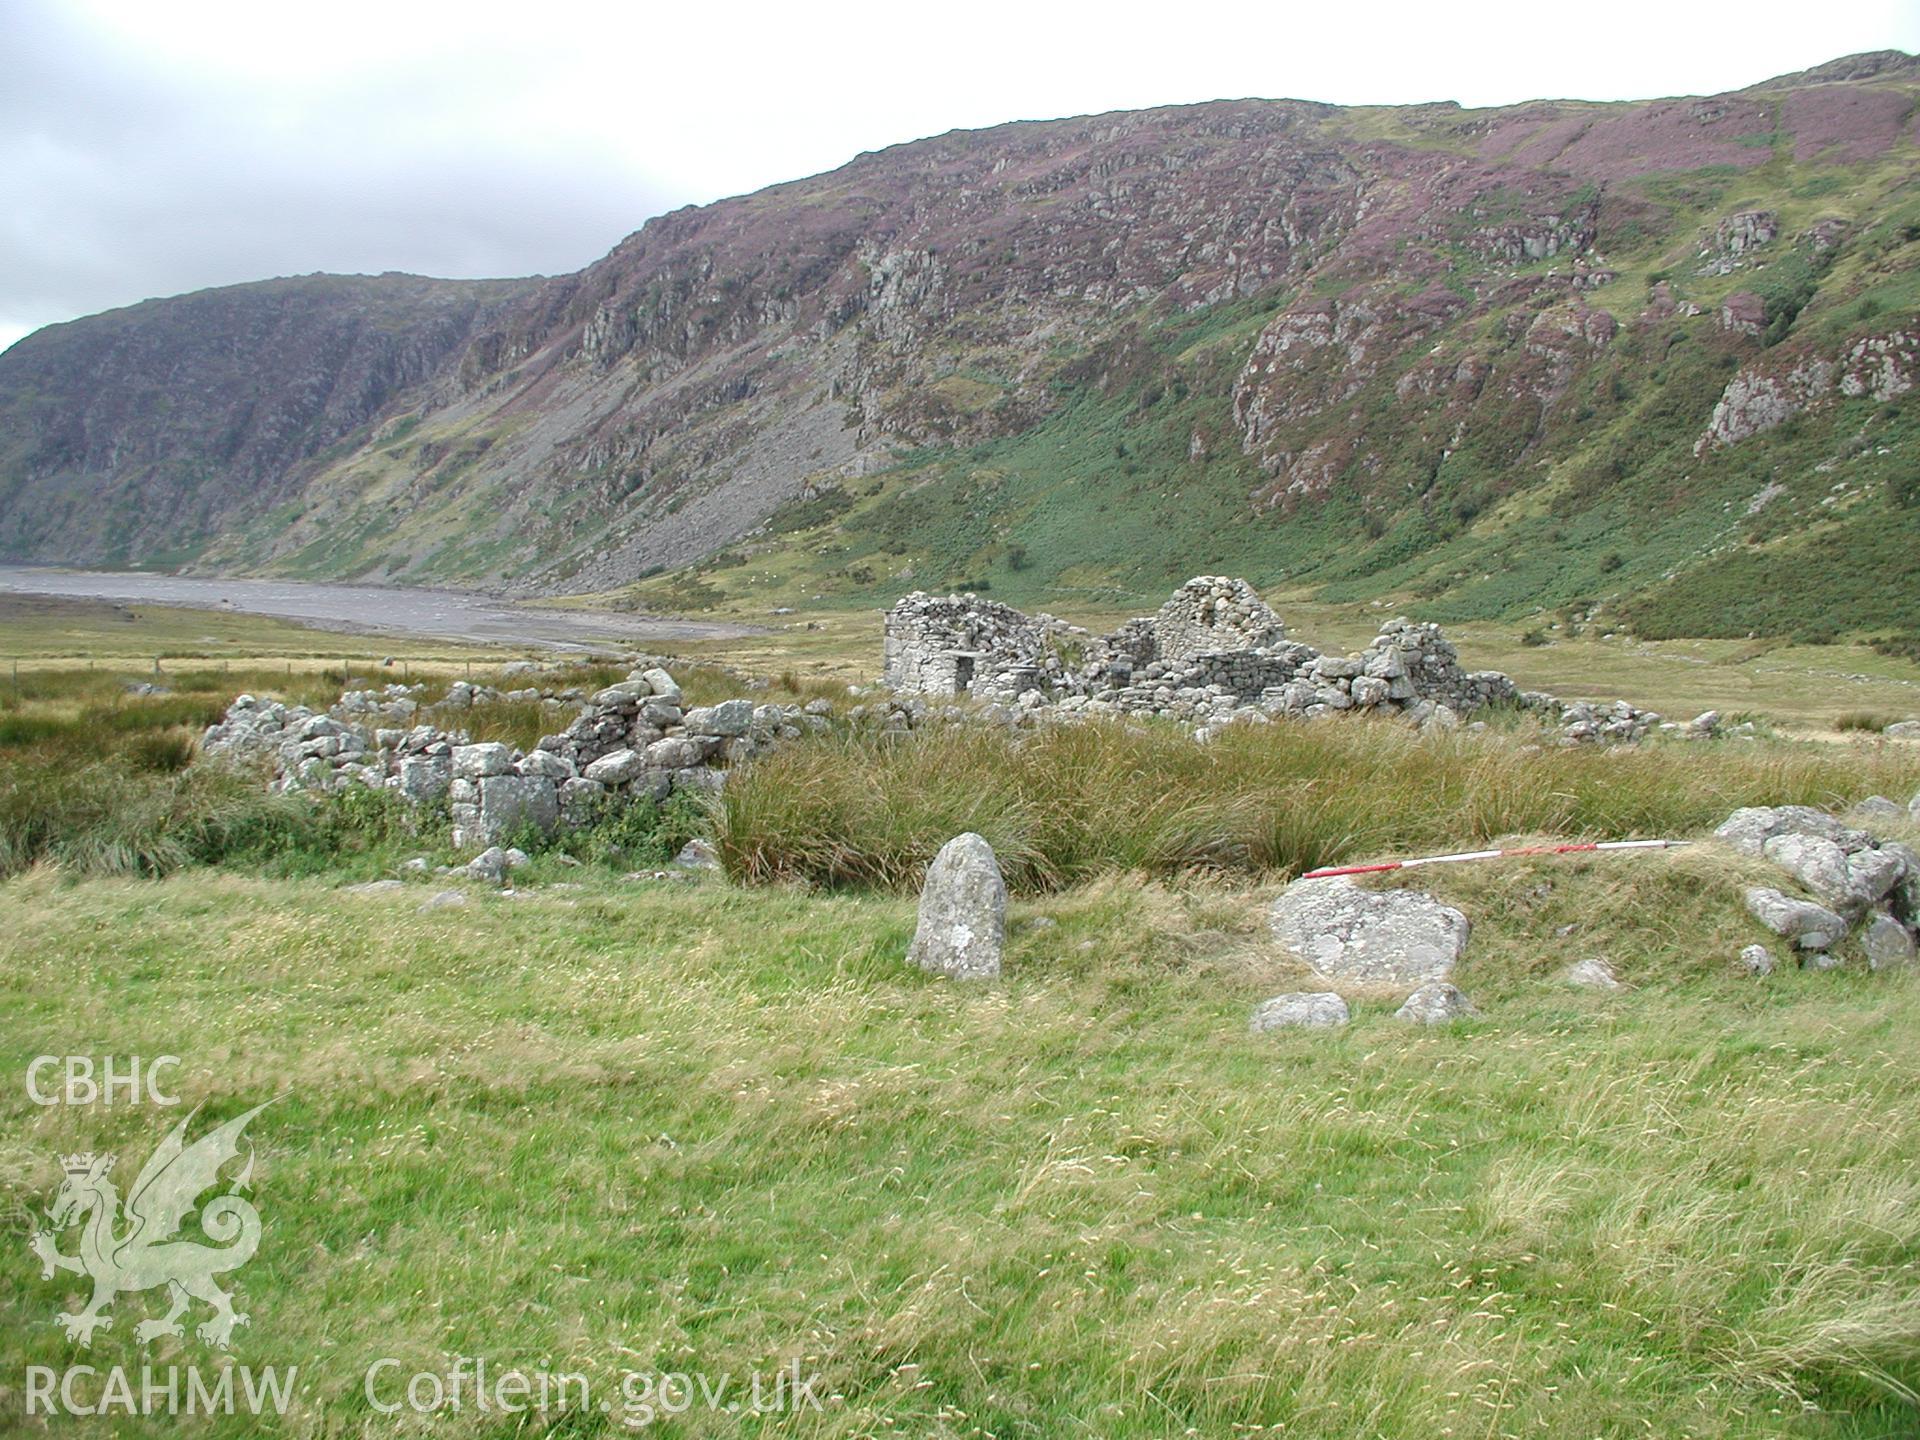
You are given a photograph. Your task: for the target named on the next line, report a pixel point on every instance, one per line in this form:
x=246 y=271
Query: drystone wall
x=1215 y=653
x=632 y=740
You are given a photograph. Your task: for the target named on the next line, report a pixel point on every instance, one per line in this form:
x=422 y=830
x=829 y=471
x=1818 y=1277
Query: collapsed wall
x=631 y=741
x=961 y=645
x=1214 y=652
x=1215 y=615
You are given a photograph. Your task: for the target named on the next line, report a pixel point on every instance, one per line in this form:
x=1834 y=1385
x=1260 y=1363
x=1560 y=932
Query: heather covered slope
x=1653 y=354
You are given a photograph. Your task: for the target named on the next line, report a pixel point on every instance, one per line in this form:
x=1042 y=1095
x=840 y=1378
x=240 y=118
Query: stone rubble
x=1859 y=883
x=1214 y=654
x=628 y=741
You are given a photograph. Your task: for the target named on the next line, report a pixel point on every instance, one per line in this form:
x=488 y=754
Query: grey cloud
x=124 y=182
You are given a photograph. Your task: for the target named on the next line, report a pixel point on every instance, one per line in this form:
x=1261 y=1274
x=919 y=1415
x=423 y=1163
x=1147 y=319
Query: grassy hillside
x=1651 y=358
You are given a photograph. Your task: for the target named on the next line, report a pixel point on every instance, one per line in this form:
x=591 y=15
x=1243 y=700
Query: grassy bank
x=686 y=1127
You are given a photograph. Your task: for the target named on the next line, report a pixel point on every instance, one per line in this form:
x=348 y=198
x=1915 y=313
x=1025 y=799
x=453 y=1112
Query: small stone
x=1315 y=1010
x=1756 y=960
x=1877 y=807
x=1903 y=730
x=1594 y=974
x=1436 y=1003
x=662 y=685
x=1809 y=926
x=615 y=769
x=446 y=899
x=698 y=855
x=475 y=762
x=963 y=912
x=489 y=865
x=625 y=696
x=1887 y=943
x=1819 y=960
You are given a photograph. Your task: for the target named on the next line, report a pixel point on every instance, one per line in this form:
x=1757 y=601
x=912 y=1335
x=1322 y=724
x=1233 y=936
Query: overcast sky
x=150 y=147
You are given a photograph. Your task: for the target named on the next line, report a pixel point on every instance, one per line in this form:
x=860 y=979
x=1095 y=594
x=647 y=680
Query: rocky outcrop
x=1860 y=883
x=1879 y=367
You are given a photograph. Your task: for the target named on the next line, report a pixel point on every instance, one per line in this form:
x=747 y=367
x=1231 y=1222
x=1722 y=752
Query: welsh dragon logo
x=132 y=1248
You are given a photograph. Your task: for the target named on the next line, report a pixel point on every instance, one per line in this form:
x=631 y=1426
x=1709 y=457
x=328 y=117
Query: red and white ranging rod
x=1332 y=870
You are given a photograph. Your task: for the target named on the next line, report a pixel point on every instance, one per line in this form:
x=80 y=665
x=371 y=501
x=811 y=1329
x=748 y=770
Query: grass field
x=632 y=1121
x=52 y=628
x=687 y=1128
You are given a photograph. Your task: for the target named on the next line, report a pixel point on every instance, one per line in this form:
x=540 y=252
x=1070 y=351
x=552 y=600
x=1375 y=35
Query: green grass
x=660 y=1124
x=694 y=1128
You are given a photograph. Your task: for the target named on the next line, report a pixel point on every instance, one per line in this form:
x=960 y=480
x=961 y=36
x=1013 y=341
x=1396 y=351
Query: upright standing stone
x=963 y=912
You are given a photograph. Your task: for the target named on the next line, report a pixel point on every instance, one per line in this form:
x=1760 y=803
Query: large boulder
x=963 y=912
x=508 y=802
x=677 y=752
x=1809 y=926
x=729 y=717
x=424 y=778
x=1872 y=875
x=476 y=762
x=615 y=769
x=1749 y=829
x=1905 y=896
x=1818 y=864
x=1384 y=937
x=1309 y=1009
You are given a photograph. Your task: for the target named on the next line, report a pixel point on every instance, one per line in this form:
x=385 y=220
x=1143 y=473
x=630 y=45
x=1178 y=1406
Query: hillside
x=1653 y=355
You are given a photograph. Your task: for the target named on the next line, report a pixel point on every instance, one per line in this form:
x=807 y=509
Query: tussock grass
x=136 y=812
x=1063 y=803
x=1869 y=721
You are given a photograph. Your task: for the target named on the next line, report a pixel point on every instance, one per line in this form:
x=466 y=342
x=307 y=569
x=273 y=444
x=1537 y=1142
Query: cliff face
x=150 y=429
x=1340 y=346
